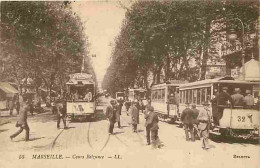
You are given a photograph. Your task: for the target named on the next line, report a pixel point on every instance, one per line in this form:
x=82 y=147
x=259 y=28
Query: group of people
x=222 y=98
x=87 y=96
x=196 y=123
x=14 y=104
x=113 y=113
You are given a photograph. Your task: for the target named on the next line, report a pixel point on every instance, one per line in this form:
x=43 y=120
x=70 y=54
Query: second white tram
x=165 y=99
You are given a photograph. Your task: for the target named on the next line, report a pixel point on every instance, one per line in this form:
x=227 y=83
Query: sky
x=102 y=21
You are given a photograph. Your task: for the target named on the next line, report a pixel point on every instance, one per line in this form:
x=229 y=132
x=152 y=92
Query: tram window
x=181 y=96
x=159 y=94
x=194 y=96
x=203 y=95
x=198 y=96
x=208 y=97
x=186 y=96
x=155 y=94
x=163 y=94
x=190 y=96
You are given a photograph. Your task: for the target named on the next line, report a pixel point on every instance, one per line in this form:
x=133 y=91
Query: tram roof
x=140 y=89
x=217 y=80
x=172 y=83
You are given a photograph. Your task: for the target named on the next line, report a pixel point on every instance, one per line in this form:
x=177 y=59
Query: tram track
x=89 y=137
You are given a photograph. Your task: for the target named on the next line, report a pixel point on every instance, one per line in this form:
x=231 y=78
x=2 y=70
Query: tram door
x=173 y=101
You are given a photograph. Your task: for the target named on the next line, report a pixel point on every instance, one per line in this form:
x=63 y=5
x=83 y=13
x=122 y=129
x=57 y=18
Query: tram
x=138 y=95
x=120 y=96
x=81 y=101
x=165 y=99
x=237 y=121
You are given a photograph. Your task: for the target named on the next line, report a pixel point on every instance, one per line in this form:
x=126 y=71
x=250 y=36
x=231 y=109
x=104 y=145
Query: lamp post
x=233 y=37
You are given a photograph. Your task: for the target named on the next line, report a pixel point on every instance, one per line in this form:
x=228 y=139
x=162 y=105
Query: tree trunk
x=205 y=49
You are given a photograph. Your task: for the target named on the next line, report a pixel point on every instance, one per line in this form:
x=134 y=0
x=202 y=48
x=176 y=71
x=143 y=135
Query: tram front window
x=81 y=93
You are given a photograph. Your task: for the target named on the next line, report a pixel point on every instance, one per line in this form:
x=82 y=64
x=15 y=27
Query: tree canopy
x=43 y=40
x=173 y=40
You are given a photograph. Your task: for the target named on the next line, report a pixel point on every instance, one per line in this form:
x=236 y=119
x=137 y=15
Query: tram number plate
x=241 y=118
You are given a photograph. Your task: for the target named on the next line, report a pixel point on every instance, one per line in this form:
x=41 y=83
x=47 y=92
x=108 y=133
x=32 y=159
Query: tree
x=45 y=39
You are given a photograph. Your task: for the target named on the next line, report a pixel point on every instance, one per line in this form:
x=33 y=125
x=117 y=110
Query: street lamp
x=233 y=36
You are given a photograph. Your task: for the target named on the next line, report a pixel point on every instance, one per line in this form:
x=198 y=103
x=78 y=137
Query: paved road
x=88 y=143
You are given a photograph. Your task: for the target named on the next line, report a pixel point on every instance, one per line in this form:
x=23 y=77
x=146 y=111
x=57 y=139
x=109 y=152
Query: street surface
x=87 y=144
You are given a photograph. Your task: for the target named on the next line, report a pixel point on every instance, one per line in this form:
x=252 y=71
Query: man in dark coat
x=61 y=112
x=151 y=124
x=22 y=121
x=118 y=111
x=134 y=115
x=195 y=122
x=221 y=99
x=111 y=115
x=127 y=106
x=187 y=120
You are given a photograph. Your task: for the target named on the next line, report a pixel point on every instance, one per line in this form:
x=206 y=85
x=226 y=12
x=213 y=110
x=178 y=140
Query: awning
x=7 y=88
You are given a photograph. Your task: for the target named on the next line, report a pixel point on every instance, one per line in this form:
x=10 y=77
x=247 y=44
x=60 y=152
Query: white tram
x=81 y=101
x=138 y=95
x=165 y=99
x=120 y=96
x=237 y=121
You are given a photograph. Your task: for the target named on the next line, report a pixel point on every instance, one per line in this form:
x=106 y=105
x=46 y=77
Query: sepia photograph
x=130 y=84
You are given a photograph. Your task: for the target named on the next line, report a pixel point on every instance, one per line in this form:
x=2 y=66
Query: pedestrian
x=141 y=105
x=151 y=125
x=218 y=102
x=12 y=104
x=186 y=118
x=127 y=106
x=195 y=121
x=118 y=112
x=204 y=123
x=249 y=99
x=61 y=112
x=22 y=120
x=238 y=98
x=111 y=115
x=17 y=105
x=134 y=116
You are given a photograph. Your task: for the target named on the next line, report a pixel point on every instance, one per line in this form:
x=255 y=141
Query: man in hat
x=111 y=115
x=204 y=122
x=187 y=120
x=151 y=124
x=221 y=99
x=134 y=115
x=119 y=105
x=61 y=112
x=249 y=99
x=22 y=121
x=238 y=98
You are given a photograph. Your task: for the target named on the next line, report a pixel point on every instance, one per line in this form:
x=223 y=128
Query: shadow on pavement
x=31 y=139
x=232 y=140
x=115 y=133
x=140 y=131
x=3 y=130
